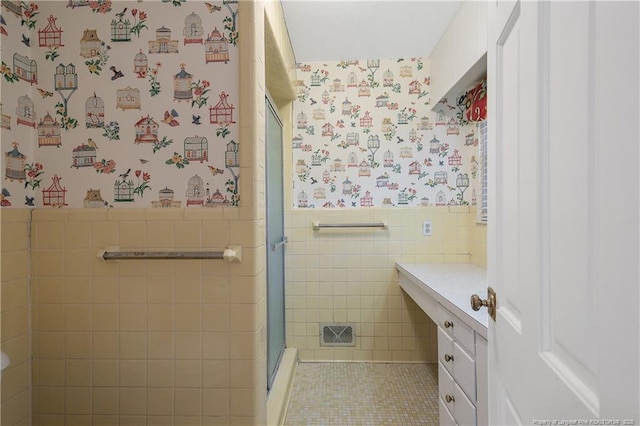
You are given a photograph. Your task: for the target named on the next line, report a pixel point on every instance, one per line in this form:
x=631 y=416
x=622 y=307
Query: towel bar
x=317 y=225
x=231 y=254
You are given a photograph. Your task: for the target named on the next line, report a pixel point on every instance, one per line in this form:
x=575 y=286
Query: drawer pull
x=448 y=324
x=448 y=357
x=449 y=398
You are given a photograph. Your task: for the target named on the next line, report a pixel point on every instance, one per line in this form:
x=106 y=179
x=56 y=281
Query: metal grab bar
x=317 y=225
x=231 y=254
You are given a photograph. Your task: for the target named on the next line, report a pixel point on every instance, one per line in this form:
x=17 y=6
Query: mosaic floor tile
x=366 y=394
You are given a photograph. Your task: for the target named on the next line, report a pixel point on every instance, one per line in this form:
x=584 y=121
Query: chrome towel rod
x=231 y=254
x=318 y=225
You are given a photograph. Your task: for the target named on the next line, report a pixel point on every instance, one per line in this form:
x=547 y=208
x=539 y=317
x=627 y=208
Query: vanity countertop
x=451 y=285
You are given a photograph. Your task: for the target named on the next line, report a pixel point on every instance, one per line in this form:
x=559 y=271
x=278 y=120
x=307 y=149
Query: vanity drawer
x=455 y=327
x=458 y=363
x=446 y=418
x=445 y=350
x=453 y=398
x=464 y=371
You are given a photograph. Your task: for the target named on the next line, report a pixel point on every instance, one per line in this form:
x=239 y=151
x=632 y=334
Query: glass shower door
x=275 y=242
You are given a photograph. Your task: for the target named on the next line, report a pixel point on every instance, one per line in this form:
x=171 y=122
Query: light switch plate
x=427 y=229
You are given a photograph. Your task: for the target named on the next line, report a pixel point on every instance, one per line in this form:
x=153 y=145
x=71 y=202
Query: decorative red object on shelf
x=476 y=102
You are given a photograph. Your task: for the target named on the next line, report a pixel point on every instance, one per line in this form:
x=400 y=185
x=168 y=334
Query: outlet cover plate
x=427 y=229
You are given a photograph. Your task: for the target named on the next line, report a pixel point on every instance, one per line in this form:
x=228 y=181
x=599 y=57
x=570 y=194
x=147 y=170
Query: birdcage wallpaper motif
x=166 y=199
x=120 y=29
x=353 y=139
x=49 y=132
x=5 y=119
x=25 y=111
x=452 y=127
x=455 y=159
x=216 y=47
x=296 y=142
x=434 y=145
x=140 y=64
x=55 y=195
x=123 y=190
x=303 y=199
x=193 y=31
x=440 y=177
x=415 y=87
x=146 y=130
x=222 y=112
x=382 y=181
x=115 y=139
x=26 y=69
x=128 y=98
x=196 y=148
x=231 y=156
x=425 y=124
x=66 y=77
x=381 y=101
x=83 y=156
x=364 y=89
x=352 y=160
x=93 y=199
x=387 y=78
x=182 y=90
x=217 y=199
x=352 y=80
x=195 y=191
x=373 y=142
x=366 y=200
x=391 y=112
x=388 y=159
x=50 y=36
x=406 y=71
x=163 y=42
x=14 y=164
x=364 y=169
x=337 y=85
x=366 y=120
x=347 y=187
x=94 y=112
x=90 y=44
x=302 y=121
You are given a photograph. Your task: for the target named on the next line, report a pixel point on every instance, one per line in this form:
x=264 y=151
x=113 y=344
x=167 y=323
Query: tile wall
x=14 y=263
x=349 y=276
x=477 y=241
x=141 y=342
x=156 y=342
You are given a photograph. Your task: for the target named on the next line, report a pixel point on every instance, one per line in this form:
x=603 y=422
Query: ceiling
x=331 y=30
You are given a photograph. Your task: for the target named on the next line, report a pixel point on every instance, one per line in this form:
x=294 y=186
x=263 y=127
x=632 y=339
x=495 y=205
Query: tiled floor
x=367 y=394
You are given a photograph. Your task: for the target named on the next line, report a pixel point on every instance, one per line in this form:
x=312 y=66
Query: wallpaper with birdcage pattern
x=365 y=135
x=123 y=104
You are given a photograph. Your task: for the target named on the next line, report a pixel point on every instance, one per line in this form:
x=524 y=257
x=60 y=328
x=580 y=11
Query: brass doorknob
x=448 y=357
x=448 y=324
x=490 y=302
x=449 y=398
x=477 y=303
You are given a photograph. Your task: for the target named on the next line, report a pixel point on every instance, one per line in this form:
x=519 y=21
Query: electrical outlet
x=427 y=228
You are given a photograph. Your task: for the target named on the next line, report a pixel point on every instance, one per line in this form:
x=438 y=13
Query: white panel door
x=563 y=234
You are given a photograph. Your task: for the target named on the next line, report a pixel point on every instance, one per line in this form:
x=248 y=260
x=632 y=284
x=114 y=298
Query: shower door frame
x=275 y=243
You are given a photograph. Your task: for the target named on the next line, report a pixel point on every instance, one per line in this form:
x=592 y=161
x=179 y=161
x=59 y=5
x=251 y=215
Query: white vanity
x=443 y=291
